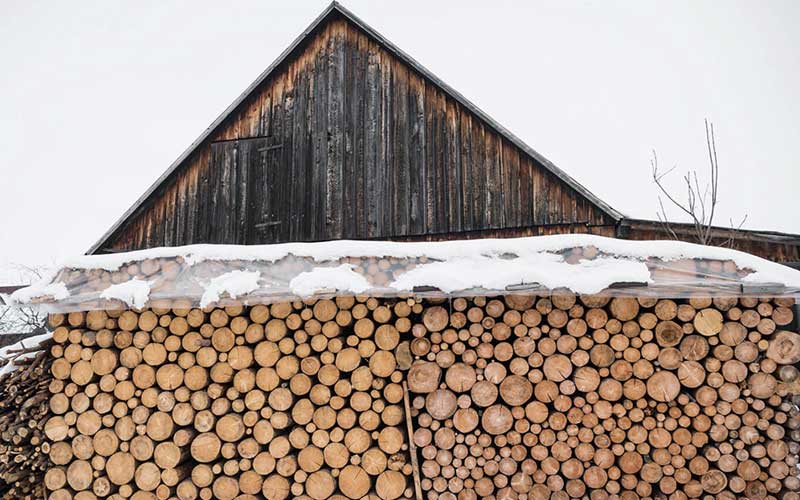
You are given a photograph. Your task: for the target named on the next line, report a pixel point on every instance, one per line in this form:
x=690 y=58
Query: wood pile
x=590 y=397
x=23 y=415
x=300 y=400
x=522 y=397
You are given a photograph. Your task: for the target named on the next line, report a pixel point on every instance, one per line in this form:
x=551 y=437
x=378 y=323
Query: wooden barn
x=345 y=136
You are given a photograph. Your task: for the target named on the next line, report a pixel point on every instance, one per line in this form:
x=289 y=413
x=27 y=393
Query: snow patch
x=43 y=288
x=234 y=283
x=547 y=270
x=322 y=279
x=135 y=292
x=441 y=250
x=496 y=265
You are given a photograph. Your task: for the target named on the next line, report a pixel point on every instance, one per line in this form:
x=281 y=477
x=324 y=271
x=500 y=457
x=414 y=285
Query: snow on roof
x=203 y=275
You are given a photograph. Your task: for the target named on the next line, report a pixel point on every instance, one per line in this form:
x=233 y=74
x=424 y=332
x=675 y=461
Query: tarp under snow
x=206 y=275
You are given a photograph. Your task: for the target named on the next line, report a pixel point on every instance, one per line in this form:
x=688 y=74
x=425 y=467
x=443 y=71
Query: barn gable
x=345 y=136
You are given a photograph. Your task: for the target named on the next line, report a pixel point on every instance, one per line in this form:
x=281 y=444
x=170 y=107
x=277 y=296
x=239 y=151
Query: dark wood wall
x=347 y=141
x=773 y=246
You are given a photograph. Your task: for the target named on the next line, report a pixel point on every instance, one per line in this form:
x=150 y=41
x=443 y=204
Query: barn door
x=245 y=198
x=267 y=193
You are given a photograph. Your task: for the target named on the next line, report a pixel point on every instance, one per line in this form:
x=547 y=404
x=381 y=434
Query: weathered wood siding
x=772 y=246
x=346 y=141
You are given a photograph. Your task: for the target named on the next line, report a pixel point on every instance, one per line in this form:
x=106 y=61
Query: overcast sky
x=98 y=98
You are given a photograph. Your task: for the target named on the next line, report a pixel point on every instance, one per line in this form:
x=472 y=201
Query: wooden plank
x=372 y=144
x=479 y=177
x=385 y=144
x=416 y=156
x=335 y=110
x=350 y=173
x=467 y=177
x=456 y=182
x=299 y=154
x=317 y=189
x=412 y=448
x=399 y=189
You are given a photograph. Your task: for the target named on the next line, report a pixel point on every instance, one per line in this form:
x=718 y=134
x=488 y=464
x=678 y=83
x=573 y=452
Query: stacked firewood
x=23 y=414
x=300 y=400
x=573 y=397
x=524 y=397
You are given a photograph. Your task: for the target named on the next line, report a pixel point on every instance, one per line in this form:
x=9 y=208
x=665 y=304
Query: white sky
x=98 y=98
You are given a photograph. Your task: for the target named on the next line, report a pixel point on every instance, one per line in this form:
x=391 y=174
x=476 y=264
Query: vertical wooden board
x=229 y=130
x=488 y=189
x=305 y=199
x=430 y=159
x=167 y=201
x=156 y=230
x=386 y=140
x=479 y=178
x=335 y=98
x=201 y=210
x=302 y=153
x=523 y=191
x=349 y=213
x=455 y=202
x=232 y=163
x=510 y=179
x=246 y=117
x=169 y=216
x=573 y=205
x=467 y=178
x=248 y=149
x=553 y=199
x=356 y=77
x=416 y=154
x=443 y=178
x=226 y=186
x=540 y=193
x=297 y=151
x=191 y=205
x=372 y=144
x=400 y=143
x=358 y=107
x=231 y=224
x=494 y=157
x=147 y=236
x=215 y=185
x=284 y=208
x=275 y=163
x=320 y=151
x=179 y=211
x=263 y=98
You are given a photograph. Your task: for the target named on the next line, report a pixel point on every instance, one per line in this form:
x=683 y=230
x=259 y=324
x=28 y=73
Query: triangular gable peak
x=345 y=136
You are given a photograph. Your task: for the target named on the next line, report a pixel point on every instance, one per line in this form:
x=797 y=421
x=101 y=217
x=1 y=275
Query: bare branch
x=657 y=179
x=663 y=220
x=701 y=200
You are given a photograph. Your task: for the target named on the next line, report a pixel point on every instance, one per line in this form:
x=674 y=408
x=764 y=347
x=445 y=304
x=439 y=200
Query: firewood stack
x=23 y=414
x=523 y=397
x=292 y=400
x=590 y=397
